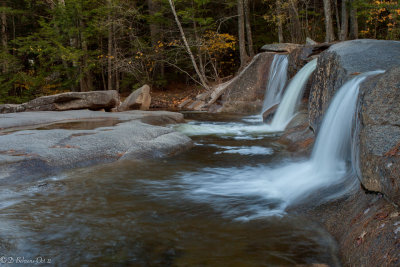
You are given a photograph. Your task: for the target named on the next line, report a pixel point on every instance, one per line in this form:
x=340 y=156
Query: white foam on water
x=246 y=150
x=254 y=125
x=273 y=189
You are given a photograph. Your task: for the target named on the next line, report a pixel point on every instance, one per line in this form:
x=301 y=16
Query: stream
x=204 y=207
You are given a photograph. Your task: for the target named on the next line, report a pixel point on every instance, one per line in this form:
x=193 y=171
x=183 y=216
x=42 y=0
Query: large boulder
x=379 y=133
x=30 y=152
x=302 y=55
x=94 y=100
x=340 y=63
x=244 y=93
x=139 y=99
x=11 y=108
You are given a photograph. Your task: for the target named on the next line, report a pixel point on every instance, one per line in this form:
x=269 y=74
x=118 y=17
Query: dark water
x=70 y=125
x=159 y=213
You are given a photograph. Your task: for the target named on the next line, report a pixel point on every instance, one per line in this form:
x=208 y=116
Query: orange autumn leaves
x=382 y=17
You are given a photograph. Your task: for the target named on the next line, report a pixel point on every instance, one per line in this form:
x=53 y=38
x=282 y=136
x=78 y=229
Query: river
x=186 y=210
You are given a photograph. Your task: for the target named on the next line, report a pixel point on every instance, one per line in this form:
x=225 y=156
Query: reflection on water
x=158 y=213
x=82 y=125
x=89 y=124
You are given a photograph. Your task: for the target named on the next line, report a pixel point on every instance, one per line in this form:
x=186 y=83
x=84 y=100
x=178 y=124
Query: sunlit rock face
x=379 y=126
x=341 y=62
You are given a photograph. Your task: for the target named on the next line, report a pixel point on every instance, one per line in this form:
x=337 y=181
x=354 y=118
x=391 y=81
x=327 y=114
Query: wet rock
x=94 y=100
x=379 y=144
x=28 y=155
x=302 y=55
x=298 y=136
x=282 y=47
x=244 y=93
x=364 y=226
x=340 y=63
x=268 y=115
x=139 y=99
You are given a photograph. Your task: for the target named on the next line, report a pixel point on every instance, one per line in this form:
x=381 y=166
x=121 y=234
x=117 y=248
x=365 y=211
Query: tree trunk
x=297 y=34
x=154 y=29
x=353 y=21
x=244 y=57
x=4 y=40
x=86 y=82
x=109 y=53
x=202 y=79
x=199 y=53
x=279 y=20
x=337 y=18
x=115 y=54
x=345 y=22
x=248 y=28
x=330 y=36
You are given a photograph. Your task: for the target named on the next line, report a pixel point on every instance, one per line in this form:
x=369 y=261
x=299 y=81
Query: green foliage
x=52 y=47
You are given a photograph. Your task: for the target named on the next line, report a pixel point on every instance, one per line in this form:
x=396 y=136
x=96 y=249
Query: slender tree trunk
x=353 y=21
x=337 y=17
x=248 y=29
x=109 y=52
x=202 y=79
x=244 y=57
x=307 y=30
x=330 y=36
x=279 y=20
x=198 y=44
x=199 y=53
x=86 y=81
x=297 y=33
x=4 y=40
x=115 y=54
x=345 y=22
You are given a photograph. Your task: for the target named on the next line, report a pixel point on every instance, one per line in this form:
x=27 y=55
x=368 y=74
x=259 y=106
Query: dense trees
x=49 y=46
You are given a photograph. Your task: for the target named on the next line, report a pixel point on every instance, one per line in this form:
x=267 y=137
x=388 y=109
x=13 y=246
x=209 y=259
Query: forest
x=54 y=46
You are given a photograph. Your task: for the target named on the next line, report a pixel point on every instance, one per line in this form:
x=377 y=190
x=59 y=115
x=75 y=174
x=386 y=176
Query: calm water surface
x=188 y=210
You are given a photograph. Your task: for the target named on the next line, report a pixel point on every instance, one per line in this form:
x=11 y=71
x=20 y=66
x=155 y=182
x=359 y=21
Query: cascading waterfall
x=292 y=97
x=326 y=171
x=334 y=139
x=277 y=81
x=284 y=113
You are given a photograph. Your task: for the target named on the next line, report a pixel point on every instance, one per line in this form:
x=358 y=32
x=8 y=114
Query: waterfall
x=277 y=81
x=334 y=139
x=292 y=97
x=326 y=175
